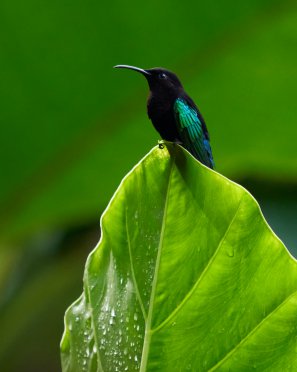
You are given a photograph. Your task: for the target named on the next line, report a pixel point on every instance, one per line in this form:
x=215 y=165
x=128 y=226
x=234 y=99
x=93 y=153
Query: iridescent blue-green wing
x=193 y=132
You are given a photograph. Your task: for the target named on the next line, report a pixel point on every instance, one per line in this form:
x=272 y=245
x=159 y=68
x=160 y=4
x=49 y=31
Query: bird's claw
x=161 y=144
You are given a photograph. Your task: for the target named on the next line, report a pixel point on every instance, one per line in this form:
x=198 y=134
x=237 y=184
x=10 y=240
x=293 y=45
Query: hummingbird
x=174 y=114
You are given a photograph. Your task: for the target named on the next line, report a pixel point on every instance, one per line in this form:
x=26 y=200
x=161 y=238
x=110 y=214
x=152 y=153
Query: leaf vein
x=96 y=338
x=200 y=278
x=133 y=272
x=254 y=330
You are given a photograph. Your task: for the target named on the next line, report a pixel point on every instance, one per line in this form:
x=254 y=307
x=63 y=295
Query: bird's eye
x=162 y=75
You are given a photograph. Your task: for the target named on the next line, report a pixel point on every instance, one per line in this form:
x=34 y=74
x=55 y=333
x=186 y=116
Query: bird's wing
x=193 y=132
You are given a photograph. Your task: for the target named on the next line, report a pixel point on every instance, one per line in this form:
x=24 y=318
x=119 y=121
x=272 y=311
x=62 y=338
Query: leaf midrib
x=148 y=333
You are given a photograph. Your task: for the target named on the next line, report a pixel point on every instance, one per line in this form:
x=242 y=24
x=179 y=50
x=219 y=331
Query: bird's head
x=159 y=79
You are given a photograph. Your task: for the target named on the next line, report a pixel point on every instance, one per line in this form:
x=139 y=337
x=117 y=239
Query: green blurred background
x=71 y=128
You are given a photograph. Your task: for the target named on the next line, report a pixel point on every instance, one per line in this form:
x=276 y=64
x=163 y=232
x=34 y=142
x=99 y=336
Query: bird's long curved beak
x=142 y=71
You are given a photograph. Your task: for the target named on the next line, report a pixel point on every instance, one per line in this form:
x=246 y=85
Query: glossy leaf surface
x=187 y=276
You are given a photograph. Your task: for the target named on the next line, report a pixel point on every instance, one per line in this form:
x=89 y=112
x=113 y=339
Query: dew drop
x=230 y=251
x=88 y=314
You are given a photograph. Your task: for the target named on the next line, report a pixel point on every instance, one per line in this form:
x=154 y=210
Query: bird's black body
x=174 y=114
x=162 y=116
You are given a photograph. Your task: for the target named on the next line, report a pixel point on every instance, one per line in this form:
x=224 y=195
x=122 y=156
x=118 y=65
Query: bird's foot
x=161 y=144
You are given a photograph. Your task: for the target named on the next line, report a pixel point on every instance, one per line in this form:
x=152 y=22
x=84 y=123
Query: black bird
x=174 y=114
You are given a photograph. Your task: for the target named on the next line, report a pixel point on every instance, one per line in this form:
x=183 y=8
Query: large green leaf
x=187 y=276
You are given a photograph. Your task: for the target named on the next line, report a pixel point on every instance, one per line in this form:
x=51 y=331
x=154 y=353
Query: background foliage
x=72 y=127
